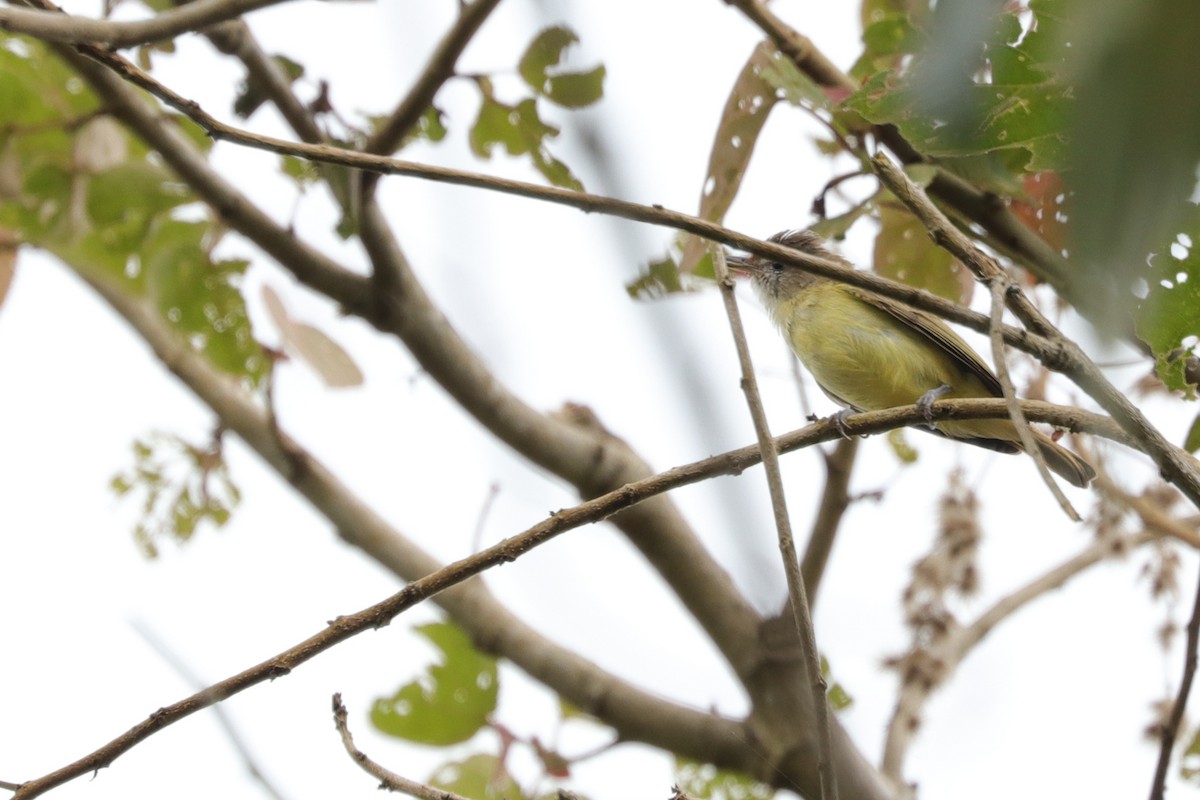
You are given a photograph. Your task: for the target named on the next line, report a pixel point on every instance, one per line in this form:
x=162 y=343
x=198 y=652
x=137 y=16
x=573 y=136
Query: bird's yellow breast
x=863 y=356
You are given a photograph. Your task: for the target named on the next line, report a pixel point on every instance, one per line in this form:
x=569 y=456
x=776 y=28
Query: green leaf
x=453 y=699
x=1135 y=134
x=706 y=781
x=1189 y=763
x=886 y=36
x=302 y=171
x=202 y=298
x=1192 y=442
x=479 y=777
x=183 y=488
x=544 y=52
x=1169 y=318
x=568 y=89
x=518 y=128
x=554 y=170
x=520 y=131
x=576 y=89
x=837 y=695
x=430 y=126
x=660 y=278
x=1031 y=118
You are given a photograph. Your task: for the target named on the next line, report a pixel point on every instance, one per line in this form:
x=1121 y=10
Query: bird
x=868 y=352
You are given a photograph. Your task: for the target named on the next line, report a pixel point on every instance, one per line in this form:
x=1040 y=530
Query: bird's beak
x=739 y=264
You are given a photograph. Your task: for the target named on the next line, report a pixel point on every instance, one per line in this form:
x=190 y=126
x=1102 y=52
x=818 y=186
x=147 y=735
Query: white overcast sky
x=1053 y=703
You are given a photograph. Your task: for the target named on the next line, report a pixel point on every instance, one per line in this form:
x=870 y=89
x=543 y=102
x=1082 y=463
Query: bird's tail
x=1064 y=463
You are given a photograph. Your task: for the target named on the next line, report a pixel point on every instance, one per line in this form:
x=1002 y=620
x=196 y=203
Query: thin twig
x=797 y=594
x=1170 y=731
x=55 y=26
x=999 y=287
x=387 y=779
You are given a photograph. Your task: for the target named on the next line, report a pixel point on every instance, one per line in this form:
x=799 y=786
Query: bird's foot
x=839 y=421
x=926 y=401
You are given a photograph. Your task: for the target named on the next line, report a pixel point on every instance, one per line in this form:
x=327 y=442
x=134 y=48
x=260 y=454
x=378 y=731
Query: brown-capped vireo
x=869 y=352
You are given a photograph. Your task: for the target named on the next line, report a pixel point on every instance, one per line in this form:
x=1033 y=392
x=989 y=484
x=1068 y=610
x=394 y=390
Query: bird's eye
x=776 y=267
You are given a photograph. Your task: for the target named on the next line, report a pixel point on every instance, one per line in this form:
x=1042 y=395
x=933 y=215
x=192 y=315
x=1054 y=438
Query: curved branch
x=797 y=593
x=389 y=780
x=56 y=26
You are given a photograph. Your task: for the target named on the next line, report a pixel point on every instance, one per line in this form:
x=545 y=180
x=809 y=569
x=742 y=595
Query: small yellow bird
x=868 y=352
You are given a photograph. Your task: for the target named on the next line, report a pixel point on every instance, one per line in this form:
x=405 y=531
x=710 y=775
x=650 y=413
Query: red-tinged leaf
x=1044 y=210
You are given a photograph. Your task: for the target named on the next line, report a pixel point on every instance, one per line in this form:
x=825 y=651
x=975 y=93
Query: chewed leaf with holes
x=746 y=110
x=1169 y=318
x=448 y=704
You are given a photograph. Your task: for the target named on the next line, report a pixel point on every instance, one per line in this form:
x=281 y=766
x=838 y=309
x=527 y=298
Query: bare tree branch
x=999 y=285
x=1171 y=729
x=235 y=38
x=55 y=26
x=387 y=779
x=797 y=594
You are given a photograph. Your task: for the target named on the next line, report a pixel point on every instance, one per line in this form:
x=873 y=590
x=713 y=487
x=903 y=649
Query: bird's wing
x=939 y=333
